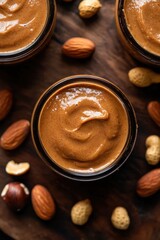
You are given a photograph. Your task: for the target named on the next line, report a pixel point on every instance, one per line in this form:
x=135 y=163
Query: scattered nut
x=5 y=103
x=88 y=8
x=120 y=218
x=78 y=47
x=15 y=135
x=153 y=149
x=15 y=195
x=81 y=211
x=154 y=111
x=17 y=169
x=42 y=202
x=149 y=183
x=143 y=77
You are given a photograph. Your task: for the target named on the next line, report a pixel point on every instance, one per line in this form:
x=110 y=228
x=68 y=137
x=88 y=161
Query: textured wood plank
x=28 y=81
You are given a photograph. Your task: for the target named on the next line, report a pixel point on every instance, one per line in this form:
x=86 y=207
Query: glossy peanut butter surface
x=21 y=22
x=83 y=127
x=143 y=21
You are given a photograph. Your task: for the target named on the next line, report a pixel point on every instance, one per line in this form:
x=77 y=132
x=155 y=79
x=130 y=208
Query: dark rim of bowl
x=155 y=59
x=33 y=47
x=133 y=128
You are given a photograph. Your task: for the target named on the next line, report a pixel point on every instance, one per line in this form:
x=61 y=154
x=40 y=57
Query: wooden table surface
x=27 y=82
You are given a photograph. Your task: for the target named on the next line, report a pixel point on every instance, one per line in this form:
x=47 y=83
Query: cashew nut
x=120 y=218
x=153 y=149
x=143 y=77
x=17 y=169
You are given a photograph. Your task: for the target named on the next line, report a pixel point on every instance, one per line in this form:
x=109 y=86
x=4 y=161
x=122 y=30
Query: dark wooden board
x=28 y=81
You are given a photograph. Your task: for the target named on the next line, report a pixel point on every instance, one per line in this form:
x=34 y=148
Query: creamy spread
x=21 y=22
x=83 y=127
x=143 y=21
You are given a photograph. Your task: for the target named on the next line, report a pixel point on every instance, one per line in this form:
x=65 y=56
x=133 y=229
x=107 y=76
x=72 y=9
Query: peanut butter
x=83 y=127
x=21 y=22
x=143 y=21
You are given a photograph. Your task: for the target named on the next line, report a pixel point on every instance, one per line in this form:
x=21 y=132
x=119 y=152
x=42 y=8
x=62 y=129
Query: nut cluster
x=16 y=194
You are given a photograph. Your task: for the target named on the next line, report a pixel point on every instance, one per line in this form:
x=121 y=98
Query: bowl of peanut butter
x=25 y=28
x=139 y=29
x=84 y=127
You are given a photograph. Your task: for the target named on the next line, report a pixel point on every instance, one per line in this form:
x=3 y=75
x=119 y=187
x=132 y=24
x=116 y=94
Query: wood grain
x=27 y=82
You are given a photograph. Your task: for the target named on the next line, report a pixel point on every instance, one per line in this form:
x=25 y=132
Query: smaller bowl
x=91 y=87
x=30 y=39
x=133 y=47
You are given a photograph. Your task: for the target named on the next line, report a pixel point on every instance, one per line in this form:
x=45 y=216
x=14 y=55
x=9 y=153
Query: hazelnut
x=15 y=195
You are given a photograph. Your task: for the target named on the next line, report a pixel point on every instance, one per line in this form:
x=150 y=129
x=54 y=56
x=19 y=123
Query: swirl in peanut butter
x=21 y=22
x=143 y=21
x=83 y=127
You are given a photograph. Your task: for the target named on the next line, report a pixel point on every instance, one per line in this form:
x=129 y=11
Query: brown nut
x=154 y=111
x=15 y=195
x=15 y=134
x=6 y=100
x=149 y=184
x=78 y=47
x=17 y=169
x=81 y=211
x=42 y=202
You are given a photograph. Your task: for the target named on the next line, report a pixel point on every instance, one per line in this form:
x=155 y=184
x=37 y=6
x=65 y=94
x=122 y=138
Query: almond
x=149 y=183
x=78 y=47
x=42 y=202
x=154 y=111
x=15 y=134
x=5 y=102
